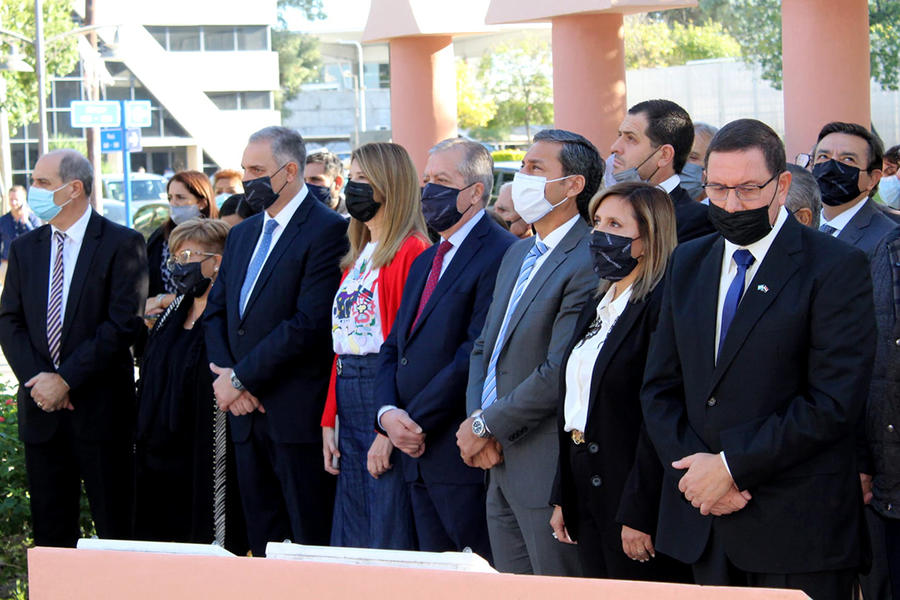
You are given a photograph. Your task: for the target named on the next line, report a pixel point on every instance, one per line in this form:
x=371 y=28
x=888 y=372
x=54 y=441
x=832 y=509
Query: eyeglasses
x=184 y=257
x=746 y=191
x=803 y=160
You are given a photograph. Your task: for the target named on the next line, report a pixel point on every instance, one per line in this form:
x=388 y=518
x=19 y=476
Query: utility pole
x=92 y=87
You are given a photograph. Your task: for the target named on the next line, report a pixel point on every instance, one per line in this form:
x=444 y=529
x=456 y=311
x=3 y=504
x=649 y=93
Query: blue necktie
x=256 y=264
x=489 y=392
x=824 y=228
x=744 y=259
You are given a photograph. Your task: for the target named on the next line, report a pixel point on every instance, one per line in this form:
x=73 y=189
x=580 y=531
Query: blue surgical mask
x=41 y=202
x=221 y=198
x=632 y=174
x=180 y=214
x=889 y=188
x=692 y=179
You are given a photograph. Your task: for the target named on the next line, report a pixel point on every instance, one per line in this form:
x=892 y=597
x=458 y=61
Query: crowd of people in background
x=679 y=363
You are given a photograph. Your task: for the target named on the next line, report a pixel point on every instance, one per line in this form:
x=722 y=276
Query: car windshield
x=141 y=189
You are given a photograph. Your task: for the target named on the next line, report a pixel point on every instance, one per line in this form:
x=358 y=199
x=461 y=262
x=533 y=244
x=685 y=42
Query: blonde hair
x=209 y=233
x=393 y=178
x=655 y=215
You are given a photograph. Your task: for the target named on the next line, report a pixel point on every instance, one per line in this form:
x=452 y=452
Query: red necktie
x=433 y=277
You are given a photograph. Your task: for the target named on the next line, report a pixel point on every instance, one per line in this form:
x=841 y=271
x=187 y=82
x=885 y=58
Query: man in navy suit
x=756 y=378
x=425 y=360
x=268 y=335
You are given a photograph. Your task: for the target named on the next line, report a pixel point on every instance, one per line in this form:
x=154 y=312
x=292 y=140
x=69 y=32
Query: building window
x=212 y=38
x=218 y=38
x=253 y=38
x=241 y=100
x=224 y=100
x=184 y=39
x=159 y=33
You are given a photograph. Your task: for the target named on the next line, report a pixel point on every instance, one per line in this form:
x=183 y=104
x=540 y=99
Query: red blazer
x=390 y=282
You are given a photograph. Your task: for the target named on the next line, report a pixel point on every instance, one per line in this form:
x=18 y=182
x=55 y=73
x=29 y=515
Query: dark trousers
x=450 y=517
x=55 y=471
x=892 y=545
x=714 y=568
x=876 y=584
x=285 y=492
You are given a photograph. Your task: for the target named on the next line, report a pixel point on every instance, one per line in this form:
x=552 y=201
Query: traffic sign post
x=100 y=113
x=126 y=162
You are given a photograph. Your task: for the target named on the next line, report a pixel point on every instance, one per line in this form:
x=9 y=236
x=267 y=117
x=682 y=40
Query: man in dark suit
x=755 y=381
x=514 y=369
x=425 y=360
x=847 y=166
x=70 y=309
x=653 y=145
x=268 y=335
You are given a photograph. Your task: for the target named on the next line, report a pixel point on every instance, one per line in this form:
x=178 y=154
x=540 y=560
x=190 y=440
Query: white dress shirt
x=71 y=248
x=282 y=218
x=458 y=237
x=580 y=368
x=840 y=221
x=670 y=184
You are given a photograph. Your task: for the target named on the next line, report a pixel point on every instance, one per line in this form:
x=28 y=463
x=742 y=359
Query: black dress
x=181 y=452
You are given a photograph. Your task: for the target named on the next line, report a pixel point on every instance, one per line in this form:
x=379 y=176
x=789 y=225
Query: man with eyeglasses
x=755 y=380
x=653 y=145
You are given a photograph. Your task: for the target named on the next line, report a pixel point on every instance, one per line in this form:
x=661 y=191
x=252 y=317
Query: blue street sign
x=111 y=140
x=95 y=114
x=133 y=140
x=137 y=113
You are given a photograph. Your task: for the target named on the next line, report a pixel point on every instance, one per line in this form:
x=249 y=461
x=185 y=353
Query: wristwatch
x=236 y=383
x=479 y=428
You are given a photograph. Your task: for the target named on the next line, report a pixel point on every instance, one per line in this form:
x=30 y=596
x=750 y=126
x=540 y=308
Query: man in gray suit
x=848 y=162
x=514 y=368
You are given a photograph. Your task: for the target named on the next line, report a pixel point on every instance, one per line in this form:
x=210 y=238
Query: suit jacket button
x=596 y=481
x=240 y=332
x=711 y=402
x=890 y=428
x=897 y=342
x=593 y=448
x=403 y=361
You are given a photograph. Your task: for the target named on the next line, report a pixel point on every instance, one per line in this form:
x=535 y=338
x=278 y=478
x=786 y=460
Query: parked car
x=146 y=216
x=145 y=187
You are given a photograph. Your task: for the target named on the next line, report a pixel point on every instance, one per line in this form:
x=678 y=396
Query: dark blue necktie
x=743 y=259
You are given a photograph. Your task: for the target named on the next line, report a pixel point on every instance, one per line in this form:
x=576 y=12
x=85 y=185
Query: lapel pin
x=763 y=288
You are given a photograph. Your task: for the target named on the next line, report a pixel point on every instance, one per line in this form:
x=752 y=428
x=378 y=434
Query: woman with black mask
x=606 y=493
x=185 y=489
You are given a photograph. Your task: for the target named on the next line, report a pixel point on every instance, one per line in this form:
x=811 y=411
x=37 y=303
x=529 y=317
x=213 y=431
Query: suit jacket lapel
x=287 y=238
x=768 y=282
x=89 y=245
x=702 y=304
x=244 y=256
x=855 y=228
x=503 y=289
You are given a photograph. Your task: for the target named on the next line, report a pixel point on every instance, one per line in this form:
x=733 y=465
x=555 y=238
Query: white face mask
x=528 y=196
x=889 y=188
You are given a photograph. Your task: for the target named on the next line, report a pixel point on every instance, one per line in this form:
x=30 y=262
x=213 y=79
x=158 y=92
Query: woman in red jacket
x=387 y=232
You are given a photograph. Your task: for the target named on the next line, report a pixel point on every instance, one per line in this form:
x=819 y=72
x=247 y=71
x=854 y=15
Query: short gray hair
x=73 y=166
x=704 y=129
x=804 y=193
x=477 y=165
x=287 y=144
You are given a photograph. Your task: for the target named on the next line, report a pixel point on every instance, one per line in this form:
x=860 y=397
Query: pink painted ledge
x=55 y=573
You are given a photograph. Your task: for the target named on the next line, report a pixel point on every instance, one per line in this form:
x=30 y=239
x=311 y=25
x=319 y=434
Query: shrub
x=507 y=155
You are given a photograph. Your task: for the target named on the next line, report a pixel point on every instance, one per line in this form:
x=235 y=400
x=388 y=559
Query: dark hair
x=230 y=206
x=578 y=156
x=668 y=123
x=745 y=134
x=892 y=154
x=198 y=186
x=876 y=148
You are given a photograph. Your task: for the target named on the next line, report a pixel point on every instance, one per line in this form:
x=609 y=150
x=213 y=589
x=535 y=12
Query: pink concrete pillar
x=423 y=93
x=826 y=67
x=589 y=76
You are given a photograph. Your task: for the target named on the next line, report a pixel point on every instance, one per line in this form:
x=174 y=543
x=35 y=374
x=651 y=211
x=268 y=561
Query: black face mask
x=320 y=193
x=838 y=182
x=258 y=193
x=189 y=280
x=361 y=201
x=439 y=206
x=743 y=227
x=612 y=255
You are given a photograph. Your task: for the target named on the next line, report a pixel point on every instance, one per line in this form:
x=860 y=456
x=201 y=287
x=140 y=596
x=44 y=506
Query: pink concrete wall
x=589 y=76
x=55 y=573
x=826 y=67
x=423 y=93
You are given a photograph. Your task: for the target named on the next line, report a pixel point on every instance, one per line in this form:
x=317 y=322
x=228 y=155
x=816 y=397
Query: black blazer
x=154 y=261
x=691 y=220
x=620 y=452
x=425 y=371
x=867 y=227
x=281 y=349
x=782 y=401
x=103 y=317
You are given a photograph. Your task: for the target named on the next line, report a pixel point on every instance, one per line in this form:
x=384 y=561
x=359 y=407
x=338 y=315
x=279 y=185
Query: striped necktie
x=54 y=307
x=489 y=392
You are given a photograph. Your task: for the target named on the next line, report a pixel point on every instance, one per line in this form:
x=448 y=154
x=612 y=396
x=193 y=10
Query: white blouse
x=580 y=368
x=355 y=316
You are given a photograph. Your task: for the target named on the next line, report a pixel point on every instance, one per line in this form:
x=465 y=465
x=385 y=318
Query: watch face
x=478 y=427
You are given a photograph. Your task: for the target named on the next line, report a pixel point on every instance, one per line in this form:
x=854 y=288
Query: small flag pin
x=763 y=288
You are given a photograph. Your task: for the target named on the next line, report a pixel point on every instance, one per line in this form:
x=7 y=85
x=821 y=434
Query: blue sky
x=343 y=15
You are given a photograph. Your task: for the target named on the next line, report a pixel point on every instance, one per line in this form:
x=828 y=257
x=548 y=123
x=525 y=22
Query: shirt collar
x=670 y=184
x=76 y=231
x=556 y=236
x=840 y=221
x=284 y=216
x=759 y=248
x=459 y=236
x=616 y=307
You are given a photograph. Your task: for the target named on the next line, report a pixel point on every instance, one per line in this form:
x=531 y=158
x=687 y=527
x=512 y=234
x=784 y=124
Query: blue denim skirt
x=368 y=512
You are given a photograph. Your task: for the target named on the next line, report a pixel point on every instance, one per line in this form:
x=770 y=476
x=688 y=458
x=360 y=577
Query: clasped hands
x=483 y=453
x=50 y=392
x=229 y=399
x=708 y=485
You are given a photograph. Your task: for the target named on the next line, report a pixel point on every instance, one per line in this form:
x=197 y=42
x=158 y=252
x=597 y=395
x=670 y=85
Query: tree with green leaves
x=653 y=42
x=61 y=57
x=473 y=109
x=298 y=53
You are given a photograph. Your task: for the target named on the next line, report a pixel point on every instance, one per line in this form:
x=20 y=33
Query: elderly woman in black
x=606 y=495
x=185 y=486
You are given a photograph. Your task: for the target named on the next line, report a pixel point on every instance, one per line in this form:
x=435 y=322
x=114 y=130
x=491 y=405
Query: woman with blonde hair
x=387 y=232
